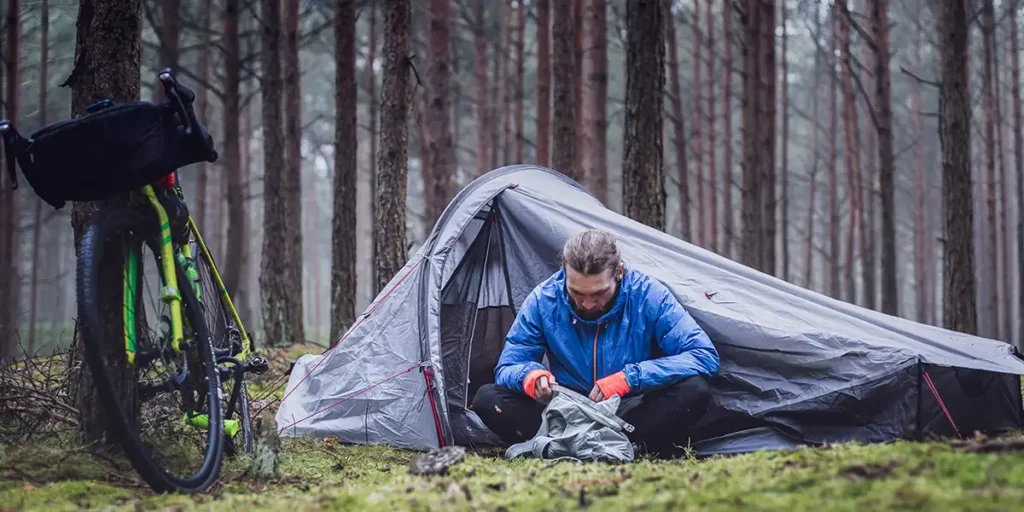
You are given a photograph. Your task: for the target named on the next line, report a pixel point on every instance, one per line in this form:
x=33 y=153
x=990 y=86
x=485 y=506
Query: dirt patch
x=870 y=471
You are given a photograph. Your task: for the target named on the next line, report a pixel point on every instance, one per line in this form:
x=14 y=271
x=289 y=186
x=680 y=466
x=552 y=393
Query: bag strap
x=611 y=421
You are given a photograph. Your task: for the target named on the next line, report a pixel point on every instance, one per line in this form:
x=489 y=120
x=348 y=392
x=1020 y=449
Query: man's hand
x=543 y=392
x=596 y=394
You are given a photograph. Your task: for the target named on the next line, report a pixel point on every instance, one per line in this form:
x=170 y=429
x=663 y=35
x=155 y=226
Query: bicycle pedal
x=257 y=365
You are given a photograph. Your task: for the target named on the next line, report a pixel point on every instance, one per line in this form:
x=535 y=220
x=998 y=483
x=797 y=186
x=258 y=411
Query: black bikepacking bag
x=106 y=153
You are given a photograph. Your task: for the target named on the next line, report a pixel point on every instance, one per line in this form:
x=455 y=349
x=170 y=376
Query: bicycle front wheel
x=163 y=405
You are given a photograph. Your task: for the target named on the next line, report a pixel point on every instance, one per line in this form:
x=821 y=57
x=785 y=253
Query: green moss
x=326 y=474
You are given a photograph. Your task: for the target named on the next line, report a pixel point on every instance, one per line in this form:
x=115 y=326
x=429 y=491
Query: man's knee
x=693 y=393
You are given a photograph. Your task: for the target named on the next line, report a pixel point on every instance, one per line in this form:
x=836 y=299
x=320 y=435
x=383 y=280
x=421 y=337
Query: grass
x=56 y=473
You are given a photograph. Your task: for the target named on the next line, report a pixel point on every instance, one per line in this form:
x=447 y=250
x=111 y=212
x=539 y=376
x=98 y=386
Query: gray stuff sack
x=573 y=426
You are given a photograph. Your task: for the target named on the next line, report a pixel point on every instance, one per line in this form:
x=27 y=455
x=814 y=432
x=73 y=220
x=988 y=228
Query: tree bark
x=959 y=311
x=852 y=149
x=10 y=280
x=543 y=142
x=758 y=135
x=520 y=68
x=236 y=218
x=506 y=85
x=108 y=58
x=442 y=143
x=832 y=266
x=392 y=161
x=767 y=132
x=921 y=256
x=991 y=285
x=578 y=15
x=678 y=123
x=37 y=228
x=1018 y=162
x=483 y=123
x=712 y=178
x=595 y=157
x=346 y=167
x=785 y=150
x=643 y=179
x=816 y=150
x=698 y=136
x=274 y=290
x=1005 y=279
x=886 y=157
x=563 y=69
x=727 y=67
x=202 y=108
x=292 y=182
x=371 y=87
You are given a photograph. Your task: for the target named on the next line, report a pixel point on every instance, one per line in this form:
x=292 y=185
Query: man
x=607 y=330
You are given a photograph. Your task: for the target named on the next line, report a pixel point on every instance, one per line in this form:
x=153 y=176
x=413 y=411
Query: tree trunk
x=392 y=164
x=832 y=266
x=494 y=97
x=543 y=141
x=169 y=35
x=442 y=144
x=922 y=258
x=991 y=285
x=507 y=85
x=816 y=150
x=679 y=141
x=578 y=61
x=202 y=109
x=274 y=291
x=343 y=229
x=959 y=311
x=37 y=228
x=1018 y=162
x=371 y=86
x=292 y=181
x=698 y=137
x=643 y=179
x=886 y=157
x=727 y=67
x=785 y=150
x=10 y=280
x=851 y=148
x=520 y=69
x=712 y=240
x=1005 y=279
x=563 y=69
x=483 y=123
x=112 y=33
x=595 y=157
x=236 y=217
x=766 y=132
x=758 y=135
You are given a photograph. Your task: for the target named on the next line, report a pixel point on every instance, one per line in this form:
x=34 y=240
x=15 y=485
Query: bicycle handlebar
x=181 y=98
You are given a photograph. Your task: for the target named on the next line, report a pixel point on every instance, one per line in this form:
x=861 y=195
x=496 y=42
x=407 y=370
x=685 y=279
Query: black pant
x=662 y=418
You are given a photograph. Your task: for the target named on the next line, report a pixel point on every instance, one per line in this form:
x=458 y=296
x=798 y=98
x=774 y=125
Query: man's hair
x=591 y=252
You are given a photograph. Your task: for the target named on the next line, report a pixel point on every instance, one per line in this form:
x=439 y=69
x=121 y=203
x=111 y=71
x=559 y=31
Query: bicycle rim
x=198 y=391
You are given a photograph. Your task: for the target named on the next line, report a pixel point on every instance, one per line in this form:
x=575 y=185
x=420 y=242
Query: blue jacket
x=647 y=333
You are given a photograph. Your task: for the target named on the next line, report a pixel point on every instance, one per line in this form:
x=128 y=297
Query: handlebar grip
x=171 y=83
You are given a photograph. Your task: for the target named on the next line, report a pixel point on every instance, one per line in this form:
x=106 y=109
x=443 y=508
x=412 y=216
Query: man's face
x=591 y=295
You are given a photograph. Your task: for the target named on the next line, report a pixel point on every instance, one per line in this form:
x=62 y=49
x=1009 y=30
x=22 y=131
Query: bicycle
x=180 y=354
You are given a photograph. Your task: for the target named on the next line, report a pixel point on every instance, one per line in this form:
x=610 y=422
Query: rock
x=437 y=461
x=266 y=461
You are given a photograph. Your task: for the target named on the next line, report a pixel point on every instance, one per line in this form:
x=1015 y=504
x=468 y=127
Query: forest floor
x=52 y=473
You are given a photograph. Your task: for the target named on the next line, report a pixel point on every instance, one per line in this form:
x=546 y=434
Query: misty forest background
x=839 y=188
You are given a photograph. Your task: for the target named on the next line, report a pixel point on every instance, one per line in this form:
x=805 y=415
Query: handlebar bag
x=107 y=153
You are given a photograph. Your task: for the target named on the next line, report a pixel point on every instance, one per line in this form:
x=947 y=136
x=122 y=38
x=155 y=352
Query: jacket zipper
x=596 y=334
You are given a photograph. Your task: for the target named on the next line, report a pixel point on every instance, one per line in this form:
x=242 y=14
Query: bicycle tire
x=105 y=223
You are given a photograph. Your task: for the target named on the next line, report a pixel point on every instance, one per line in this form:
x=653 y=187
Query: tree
x=563 y=69
x=886 y=158
x=1018 y=161
x=37 y=226
x=483 y=119
x=543 y=137
x=642 y=177
x=439 y=186
x=392 y=160
x=678 y=123
x=758 y=135
x=292 y=183
x=10 y=281
x=595 y=158
x=343 y=229
x=274 y=291
x=237 y=219
x=990 y=285
x=111 y=31
x=959 y=311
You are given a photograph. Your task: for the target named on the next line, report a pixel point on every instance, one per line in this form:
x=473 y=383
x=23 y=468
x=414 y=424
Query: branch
x=924 y=81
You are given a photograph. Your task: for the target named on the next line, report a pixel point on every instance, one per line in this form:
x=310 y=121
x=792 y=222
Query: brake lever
x=9 y=153
x=172 y=93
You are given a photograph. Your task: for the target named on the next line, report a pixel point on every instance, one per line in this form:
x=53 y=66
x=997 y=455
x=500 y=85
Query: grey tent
x=797 y=367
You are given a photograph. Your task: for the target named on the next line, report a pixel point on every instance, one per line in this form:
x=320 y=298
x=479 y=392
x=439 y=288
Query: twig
x=924 y=81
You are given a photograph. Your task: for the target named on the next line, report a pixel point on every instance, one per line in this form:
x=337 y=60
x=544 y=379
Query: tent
x=797 y=367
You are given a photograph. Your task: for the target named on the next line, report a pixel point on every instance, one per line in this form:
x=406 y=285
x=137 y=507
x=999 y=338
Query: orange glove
x=614 y=384
x=530 y=382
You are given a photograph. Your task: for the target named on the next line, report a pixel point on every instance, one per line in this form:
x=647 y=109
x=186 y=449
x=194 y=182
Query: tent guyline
x=797 y=367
